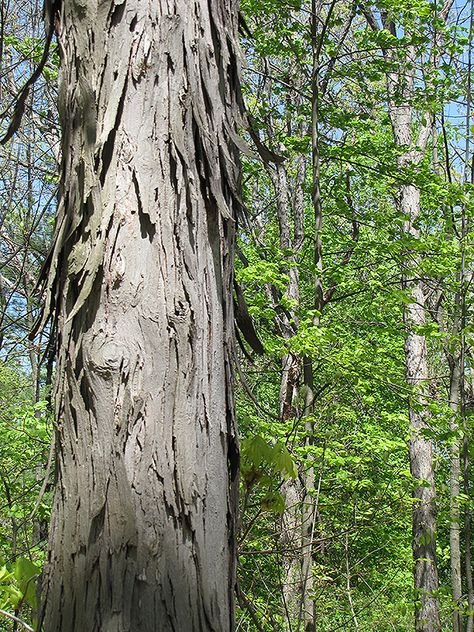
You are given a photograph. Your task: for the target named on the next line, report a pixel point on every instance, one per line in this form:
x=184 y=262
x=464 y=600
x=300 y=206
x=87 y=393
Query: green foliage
x=257 y=454
x=355 y=440
x=18 y=586
x=25 y=435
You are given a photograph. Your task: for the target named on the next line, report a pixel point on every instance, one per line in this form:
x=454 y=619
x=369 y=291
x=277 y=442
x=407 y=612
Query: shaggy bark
x=139 y=284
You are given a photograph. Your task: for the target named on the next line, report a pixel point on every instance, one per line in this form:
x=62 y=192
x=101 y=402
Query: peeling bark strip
x=140 y=287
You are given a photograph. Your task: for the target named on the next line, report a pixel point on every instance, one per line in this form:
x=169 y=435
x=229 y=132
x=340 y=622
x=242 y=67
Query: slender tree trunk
x=28 y=284
x=456 y=367
x=290 y=362
x=290 y=376
x=468 y=176
x=290 y=210
x=454 y=490
x=348 y=584
x=291 y=559
x=140 y=282
x=400 y=93
x=421 y=465
x=467 y=532
x=427 y=616
x=308 y=602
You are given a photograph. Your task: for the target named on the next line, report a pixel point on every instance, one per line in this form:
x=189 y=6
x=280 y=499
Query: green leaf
x=273 y=501
x=25 y=574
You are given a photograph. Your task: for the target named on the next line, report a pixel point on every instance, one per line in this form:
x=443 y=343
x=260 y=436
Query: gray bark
x=291 y=559
x=467 y=531
x=456 y=361
x=309 y=507
x=296 y=535
x=400 y=90
x=290 y=210
x=454 y=490
x=290 y=378
x=139 y=285
x=427 y=615
x=421 y=465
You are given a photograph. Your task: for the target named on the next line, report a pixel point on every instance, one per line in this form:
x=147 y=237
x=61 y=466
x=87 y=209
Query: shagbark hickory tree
x=139 y=288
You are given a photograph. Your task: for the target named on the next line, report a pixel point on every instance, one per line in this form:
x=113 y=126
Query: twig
x=17 y=620
x=46 y=478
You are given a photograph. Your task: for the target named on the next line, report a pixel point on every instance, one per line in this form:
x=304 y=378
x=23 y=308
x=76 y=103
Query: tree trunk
x=308 y=602
x=456 y=369
x=290 y=378
x=401 y=107
x=290 y=207
x=140 y=287
x=454 y=487
x=468 y=535
x=427 y=616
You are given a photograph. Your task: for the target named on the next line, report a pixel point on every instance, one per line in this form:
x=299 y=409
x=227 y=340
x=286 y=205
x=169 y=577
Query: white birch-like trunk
x=401 y=92
x=425 y=572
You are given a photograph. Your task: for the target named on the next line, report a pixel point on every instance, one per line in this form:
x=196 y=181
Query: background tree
x=357 y=146
x=28 y=186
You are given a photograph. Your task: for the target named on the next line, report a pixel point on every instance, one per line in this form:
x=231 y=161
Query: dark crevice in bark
x=109 y=145
x=207 y=99
x=97 y=526
x=117 y=14
x=173 y=169
x=147 y=227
